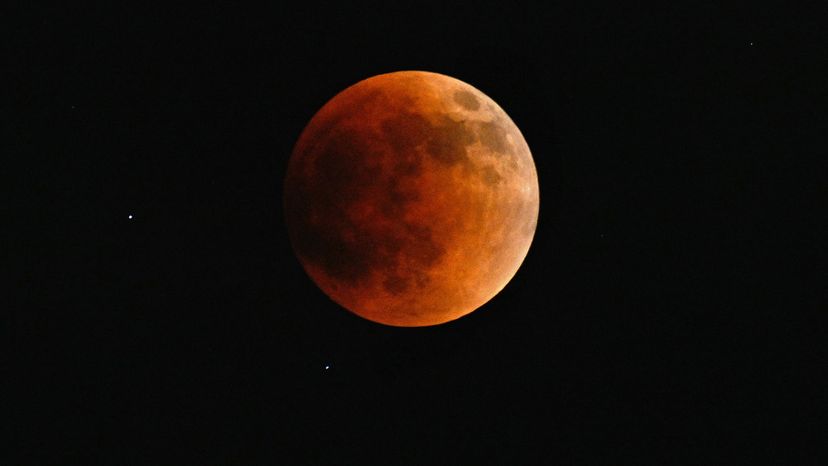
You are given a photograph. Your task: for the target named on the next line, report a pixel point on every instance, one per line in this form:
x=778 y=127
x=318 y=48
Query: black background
x=666 y=310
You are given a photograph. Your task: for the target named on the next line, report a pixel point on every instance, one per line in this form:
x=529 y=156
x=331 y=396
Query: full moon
x=411 y=198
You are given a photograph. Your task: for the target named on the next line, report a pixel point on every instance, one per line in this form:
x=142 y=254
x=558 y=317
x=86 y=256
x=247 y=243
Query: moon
x=411 y=198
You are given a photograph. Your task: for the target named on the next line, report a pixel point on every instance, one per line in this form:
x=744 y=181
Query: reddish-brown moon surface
x=411 y=198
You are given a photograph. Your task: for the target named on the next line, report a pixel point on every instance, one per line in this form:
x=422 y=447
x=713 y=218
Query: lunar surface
x=411 y=199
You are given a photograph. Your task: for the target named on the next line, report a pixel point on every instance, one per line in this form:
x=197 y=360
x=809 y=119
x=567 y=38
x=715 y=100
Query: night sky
x=666 y=311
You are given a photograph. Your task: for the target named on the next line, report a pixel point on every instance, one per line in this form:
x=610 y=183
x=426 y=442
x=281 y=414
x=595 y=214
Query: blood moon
x=411 y=198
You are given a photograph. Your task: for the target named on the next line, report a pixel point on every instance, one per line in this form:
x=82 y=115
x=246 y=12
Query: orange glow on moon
x=411 y=199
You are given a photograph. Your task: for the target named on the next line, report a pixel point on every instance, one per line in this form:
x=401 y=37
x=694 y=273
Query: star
x=129 y=216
